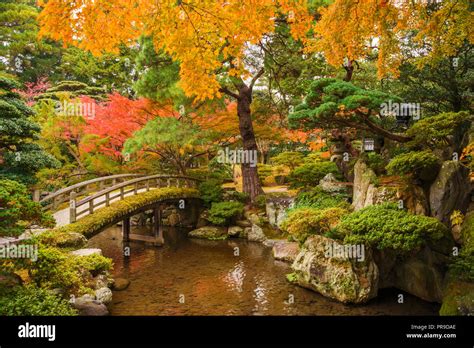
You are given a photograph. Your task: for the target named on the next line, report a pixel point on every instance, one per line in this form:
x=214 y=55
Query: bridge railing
x=127 y=188
x=53 y=200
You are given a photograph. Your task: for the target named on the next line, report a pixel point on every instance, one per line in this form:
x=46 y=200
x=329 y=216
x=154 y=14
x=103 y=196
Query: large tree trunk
x=250 y=180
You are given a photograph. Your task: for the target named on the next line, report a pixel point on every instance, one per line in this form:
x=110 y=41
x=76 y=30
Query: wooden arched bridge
x=95 y=204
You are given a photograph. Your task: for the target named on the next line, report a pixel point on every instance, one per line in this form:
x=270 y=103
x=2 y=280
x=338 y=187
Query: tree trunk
x=250 y=180
x=349 y=71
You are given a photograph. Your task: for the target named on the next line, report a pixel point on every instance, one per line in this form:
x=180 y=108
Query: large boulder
x=367 y=191
x=209 y=232
x=420 y=274
x=285 y=251
x=340 y=277
x=450 y=191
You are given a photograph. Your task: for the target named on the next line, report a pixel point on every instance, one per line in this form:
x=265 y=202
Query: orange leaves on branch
x=352 y=30
x=208 y=37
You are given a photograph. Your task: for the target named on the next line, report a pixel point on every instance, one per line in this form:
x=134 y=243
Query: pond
x=231 y=277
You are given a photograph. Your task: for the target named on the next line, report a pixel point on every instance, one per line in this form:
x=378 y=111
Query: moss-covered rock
x=63 y=239
x=345 y=279
x=450 y=191
x=458 y=299
x=209 y=232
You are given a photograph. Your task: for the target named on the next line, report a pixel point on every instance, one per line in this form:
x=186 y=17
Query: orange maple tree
x=210 y=39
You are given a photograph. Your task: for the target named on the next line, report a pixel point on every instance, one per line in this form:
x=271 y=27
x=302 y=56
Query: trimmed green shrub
x=289 y=159
x=385 y=226
x=57 y=269
x=303 y=222
x=421 y=164
x=224 y=212
x=434 y=131
x=236 y=196
x=18 y=211
x=376 y=162
x=319 y=199
x=34 y=301
x=309 y=174
x=263 y=171
x=211 y=191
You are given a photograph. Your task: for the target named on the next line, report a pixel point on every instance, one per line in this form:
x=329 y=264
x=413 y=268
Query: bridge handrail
x=131 y=182
x=85 y=183
x=74 y=213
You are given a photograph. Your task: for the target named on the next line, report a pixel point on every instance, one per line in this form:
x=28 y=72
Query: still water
x=199 y=277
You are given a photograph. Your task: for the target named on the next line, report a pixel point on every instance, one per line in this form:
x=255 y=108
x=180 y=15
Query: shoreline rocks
x=343 y=279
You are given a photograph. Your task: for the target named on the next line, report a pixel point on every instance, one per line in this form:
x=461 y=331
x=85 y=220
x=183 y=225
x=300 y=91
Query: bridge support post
x=72 y=207
x=157 y=226
x=126 y=230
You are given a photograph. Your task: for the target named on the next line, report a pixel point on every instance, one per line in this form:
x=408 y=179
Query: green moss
x=62 y=239
x=458 y=299
x=462 y=265
x=385 y=226
x=94 y=223
x=292 y=277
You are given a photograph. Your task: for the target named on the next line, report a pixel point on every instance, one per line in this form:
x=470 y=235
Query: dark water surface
x=211 y=280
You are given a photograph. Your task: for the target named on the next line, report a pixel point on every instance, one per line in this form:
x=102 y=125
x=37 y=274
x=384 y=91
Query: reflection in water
x=235 y=277
x=210 y=279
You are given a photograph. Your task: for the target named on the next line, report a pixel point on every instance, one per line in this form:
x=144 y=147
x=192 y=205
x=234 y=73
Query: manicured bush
x=309 y=175
x=289 y=159
x=421 y=164
x=269 y=181
x=303 y=222
x=57 y=269
x=319 y=199
x=376 y=162
x=434 y=131
x=235 y=196
x=264 y=170
x=385 y=226
x=211 y=191
x=224 y=212
x=18 y=211
x=33 y=301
